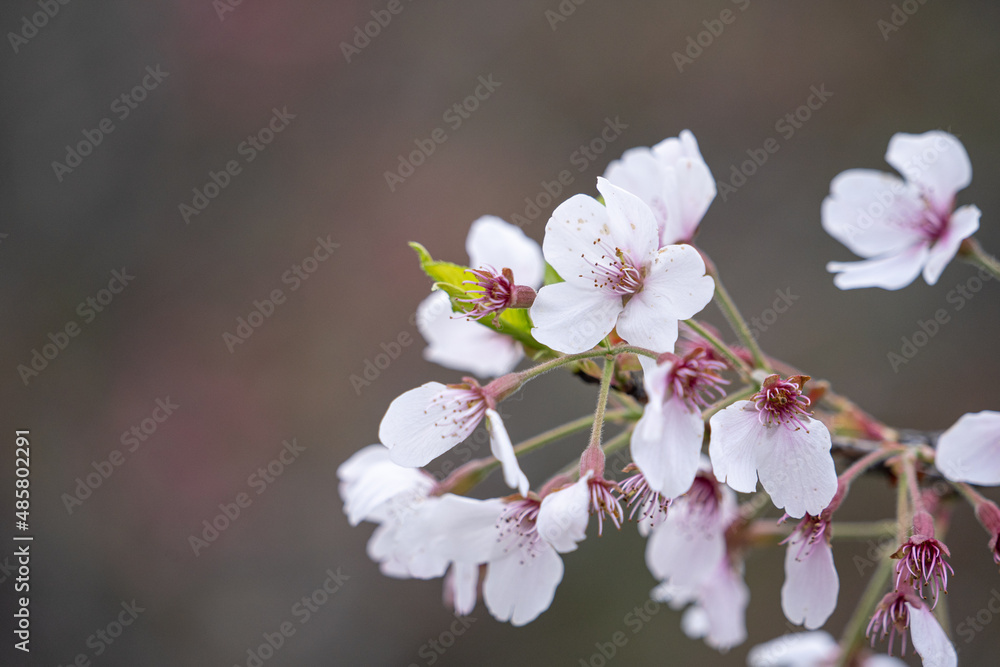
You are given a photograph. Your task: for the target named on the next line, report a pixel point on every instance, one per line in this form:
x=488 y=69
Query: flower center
x=491 y=292
x=637 y=494
x=603 y=501
x=517 y=524
x=616 y=271
x=781 y=403
x=695 y=376
x=891 y=617
x=461 y=406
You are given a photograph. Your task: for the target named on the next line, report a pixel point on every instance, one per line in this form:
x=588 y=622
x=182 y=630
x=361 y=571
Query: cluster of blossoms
x=618 y=279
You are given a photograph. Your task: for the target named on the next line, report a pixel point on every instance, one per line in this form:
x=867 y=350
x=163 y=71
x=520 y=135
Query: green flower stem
x=868 y=460
x=854 y=632
x=971 y=496
x=765 y=531
x=973 y=253
x=602 y=402
x=551 y=364
x=740 y=395
x=736 y=321
x=724 y=350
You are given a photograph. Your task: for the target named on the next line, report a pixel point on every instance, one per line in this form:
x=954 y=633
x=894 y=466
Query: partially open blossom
x=969 y=451
x=428 y=421
x=617 y=275
x=810 y=649
x=809 y=594
x=493 y=292
x=923 y=559
x=666 y=442
x=774 y=437
x=902 y=228
x=672 y=179
x=902 y=609
x=458 y=343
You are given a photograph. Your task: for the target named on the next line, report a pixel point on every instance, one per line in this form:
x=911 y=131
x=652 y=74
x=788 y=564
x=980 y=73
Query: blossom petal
x=639 y=171
x=936 y=161
x=632 y=224
x=872 y=213
x=564 y=514
x=796 y=468
x=929 y=639
x=569 y=238
x=666 y=445
x=519 y=586
x=963 y=223
x=494 y=242
x=689 y=186
x=460 y=344
x=453 y=528
x=809 y=594
x=800 y=649
x=462 y=585
x=376 y=489
x=736 y=435
x=417 y=428
x=724 y=598
x=682 y=549
x=891 y=272
x=503 y=450
x=571 y=319
x=969 y=451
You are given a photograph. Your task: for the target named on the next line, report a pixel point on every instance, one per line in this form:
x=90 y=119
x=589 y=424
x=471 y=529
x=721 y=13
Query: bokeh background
x=228 y=67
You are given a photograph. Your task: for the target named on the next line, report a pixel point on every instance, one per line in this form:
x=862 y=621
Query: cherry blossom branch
x=728 y=307
x=552 y=364
x=724 y=350
x=972 y=252
x=740 y=395
x=766 y=532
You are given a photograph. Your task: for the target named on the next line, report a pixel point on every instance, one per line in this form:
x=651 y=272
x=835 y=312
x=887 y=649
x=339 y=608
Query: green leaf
x=449 y=278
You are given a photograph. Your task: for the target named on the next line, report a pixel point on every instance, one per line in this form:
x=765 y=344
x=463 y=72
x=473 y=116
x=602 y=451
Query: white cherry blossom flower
x=616 y=274
x=666 y=442
x=773 y=437
x=809 y=649
x=426 y=422
x=458 y=343
x=672 y=179
x=969 y=451
x=902 y=227
x=718 y=610
x=902 y=609
x=809 y=594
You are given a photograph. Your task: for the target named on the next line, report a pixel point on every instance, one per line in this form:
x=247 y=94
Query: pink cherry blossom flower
x=902 y=609
x=902 y=227
x=672 y=179
x=969 y=451
x=455 y=341
x=428 y=421
x=617 y=275
x=666 y=442
x=809 y=594
x=922 y=559
x=773 y=437
x=810 y=649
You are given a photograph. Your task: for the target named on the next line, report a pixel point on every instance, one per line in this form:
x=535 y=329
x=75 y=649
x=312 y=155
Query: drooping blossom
x=455 y=341
x=810 y=649
x=773 y=437
x=651 y=506
x=809 y=594
x=666 y=442
x=718 y=606
x=672 y=179
x=969 y=451
x=902 y=609
x=426 y=422
x=902 y=227
x=616 y=275
x=923 y=559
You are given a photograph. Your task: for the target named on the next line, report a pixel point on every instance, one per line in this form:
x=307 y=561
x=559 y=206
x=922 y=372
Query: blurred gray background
x=224 y=69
